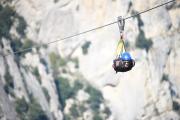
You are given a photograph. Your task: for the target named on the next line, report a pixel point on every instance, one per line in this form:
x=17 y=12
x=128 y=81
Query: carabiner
x=121 y=24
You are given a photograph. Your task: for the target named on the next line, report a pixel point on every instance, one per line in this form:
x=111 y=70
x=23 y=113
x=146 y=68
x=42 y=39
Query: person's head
x=125 y=56
x=127 y=64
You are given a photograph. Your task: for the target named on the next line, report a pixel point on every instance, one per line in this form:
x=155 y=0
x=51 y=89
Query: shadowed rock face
x=150 y=91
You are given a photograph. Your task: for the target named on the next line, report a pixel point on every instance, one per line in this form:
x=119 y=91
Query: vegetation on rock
x=30 y=111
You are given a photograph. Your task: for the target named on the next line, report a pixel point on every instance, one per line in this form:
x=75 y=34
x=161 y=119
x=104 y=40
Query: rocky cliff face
x=73 y=79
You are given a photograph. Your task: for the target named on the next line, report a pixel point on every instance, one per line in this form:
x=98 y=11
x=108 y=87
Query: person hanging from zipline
x=123 y=61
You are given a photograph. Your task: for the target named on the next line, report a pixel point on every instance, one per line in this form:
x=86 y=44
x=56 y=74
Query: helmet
x=125 y=56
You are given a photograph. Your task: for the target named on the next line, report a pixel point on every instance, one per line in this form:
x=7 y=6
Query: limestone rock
x=147 y=92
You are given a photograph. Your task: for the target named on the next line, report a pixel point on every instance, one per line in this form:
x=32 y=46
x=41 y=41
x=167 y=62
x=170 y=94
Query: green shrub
x=35 y=112
x=76 y=62
x=142 y=42
x=30 y=111
x=46 y=93
x=9 y=79
x=36 y=73
x=6 y=14
x=27 y=44
x=82 y=108
x=85 y=47
x=9 y=90
x=21 y=26
x=94 y=101
x=176 y=106
x=165 y=77
x=95 y=98
x=9 y=86
x=9 y=15
x=62 y=62
x=77 y=110
x=74 y=111
x=97 y=116
x=77 y=86
x=16 y=45
x=67 y=117
x=107 y=111
x=56 y=60
x=64 y=90
x=43 y=61
x=21 y=108
x=140 y=22
x=53 y=59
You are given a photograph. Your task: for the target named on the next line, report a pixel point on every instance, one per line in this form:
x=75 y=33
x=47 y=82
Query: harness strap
x=120 y=47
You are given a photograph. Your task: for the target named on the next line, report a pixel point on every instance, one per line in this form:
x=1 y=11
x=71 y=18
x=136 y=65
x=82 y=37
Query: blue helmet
x=126 y=56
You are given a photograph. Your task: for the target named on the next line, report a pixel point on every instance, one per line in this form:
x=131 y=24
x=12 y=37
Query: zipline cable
x=150 y=9
x=90 y=30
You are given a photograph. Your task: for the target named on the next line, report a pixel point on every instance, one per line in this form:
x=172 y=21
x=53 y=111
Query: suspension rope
x=90 y=30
